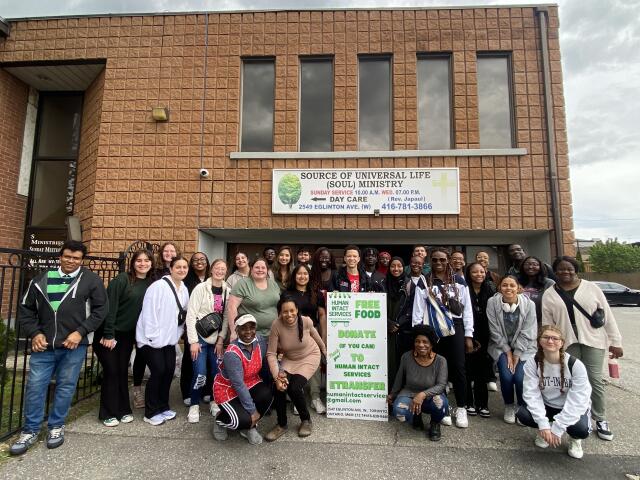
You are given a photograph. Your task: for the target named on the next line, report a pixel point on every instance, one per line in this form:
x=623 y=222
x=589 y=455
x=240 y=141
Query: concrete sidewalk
x=489 y=448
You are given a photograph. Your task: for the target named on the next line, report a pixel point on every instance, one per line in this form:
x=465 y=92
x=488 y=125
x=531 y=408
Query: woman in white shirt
x=208 y=297
x=158 y=331
x=556 y=392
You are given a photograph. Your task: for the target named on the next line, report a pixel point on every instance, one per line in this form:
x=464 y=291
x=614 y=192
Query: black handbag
x=182 y=313
x=209 y=324
x=596 y=318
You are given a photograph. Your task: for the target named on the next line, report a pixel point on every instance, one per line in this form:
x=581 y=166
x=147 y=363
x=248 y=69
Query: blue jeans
x=64 y=365
x=436 y=406
x=206 y=356
x=508 y=380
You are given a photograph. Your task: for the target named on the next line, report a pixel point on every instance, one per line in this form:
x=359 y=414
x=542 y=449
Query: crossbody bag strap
x=175 y=294
x=573 y=301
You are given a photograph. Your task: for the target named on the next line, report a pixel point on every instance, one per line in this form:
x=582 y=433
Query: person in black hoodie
x=352 y=277
x=371 y=267
x=58 y=312
x=479 y=364
x=396 y=297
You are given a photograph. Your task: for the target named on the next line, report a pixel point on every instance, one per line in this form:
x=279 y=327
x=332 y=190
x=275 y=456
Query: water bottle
x=614 y=368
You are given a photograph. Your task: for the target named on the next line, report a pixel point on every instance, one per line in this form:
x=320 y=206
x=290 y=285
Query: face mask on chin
x=255 y=339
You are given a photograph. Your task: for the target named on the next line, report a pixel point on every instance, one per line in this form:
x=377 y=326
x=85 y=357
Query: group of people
x=255 y=338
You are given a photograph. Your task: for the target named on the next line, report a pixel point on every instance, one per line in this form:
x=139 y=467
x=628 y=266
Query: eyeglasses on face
x=550 y=338
x=199 y=260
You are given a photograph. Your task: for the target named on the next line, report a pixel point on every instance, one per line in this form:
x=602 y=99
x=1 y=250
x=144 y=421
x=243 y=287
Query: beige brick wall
x=14 y=95
x=147 y=183
x=86 y=180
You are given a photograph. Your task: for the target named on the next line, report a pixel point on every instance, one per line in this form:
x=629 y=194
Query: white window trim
x=468 y=152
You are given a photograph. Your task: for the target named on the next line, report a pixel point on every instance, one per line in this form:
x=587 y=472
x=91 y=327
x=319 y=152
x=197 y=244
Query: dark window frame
x=317 y=58
x=35 y=158
x=257 y=59
x=511 y=81
x=372 y=57
x=452 y=124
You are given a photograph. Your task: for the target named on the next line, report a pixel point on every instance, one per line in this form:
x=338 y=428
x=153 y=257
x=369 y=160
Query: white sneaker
x=187 y=402
x=575 y=448
x=155 y=420
x=492 y=386
x=510 y=413
x=541 y=442
x=111 y=422
x=461 y=417
x=318 y=406
x=214 y=408
x=194 y=414
x=252 y=435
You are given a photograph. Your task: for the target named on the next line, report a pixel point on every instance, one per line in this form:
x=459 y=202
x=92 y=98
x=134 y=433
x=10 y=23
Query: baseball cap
x=246 y=318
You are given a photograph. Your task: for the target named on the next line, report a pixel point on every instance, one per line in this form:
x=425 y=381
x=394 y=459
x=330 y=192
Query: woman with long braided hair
x=557 y=394
x=447 y=295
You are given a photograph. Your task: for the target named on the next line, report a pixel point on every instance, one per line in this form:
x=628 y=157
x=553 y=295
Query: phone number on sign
x=407 y=206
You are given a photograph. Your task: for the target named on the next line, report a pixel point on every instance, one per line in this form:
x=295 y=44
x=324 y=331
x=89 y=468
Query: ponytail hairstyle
x=285 y=298
x=539 y=357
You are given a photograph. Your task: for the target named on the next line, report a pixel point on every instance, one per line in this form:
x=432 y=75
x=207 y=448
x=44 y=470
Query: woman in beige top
x=295 y=337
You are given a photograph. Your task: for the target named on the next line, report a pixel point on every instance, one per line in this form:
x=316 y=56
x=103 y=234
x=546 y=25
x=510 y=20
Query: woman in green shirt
x=114 y=340
x=257 y=295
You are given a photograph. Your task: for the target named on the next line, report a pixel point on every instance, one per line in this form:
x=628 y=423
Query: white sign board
x=366 y=191
x=357 y=356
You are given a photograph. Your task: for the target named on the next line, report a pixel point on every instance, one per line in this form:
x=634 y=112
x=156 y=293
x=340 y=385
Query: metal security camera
x=204 y=173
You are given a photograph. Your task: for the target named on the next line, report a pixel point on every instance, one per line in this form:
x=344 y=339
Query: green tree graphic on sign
x=289 y=189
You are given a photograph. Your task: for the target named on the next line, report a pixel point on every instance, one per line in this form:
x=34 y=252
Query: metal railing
x=17 y=268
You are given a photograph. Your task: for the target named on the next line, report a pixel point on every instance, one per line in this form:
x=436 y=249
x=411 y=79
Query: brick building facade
x=139 y=179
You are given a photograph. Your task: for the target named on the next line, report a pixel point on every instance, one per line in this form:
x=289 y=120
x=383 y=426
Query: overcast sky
x=600 y=43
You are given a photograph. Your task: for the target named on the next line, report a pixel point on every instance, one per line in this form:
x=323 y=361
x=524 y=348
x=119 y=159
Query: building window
x=258 y=97
x=434 y=102
x=316 y=105
x=374 y=103
x=54 y=166
x=495 y=104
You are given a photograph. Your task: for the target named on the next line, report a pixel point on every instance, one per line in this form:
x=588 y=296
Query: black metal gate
x=17 y=268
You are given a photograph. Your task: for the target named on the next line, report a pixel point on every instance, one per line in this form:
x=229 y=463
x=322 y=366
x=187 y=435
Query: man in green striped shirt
x=60 y=310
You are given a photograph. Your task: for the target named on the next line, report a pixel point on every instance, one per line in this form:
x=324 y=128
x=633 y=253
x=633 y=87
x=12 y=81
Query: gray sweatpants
x=593 y=359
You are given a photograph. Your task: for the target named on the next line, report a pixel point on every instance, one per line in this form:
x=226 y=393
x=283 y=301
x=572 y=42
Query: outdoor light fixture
x=160 y=114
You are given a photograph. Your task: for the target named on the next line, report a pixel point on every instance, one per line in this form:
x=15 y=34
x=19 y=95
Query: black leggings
x=580 y=430
x=478 y=363
x=452 y=348
x=295 y=390
x=139 y=366
x=114 y=393
x=162 y=365
x=233 y=415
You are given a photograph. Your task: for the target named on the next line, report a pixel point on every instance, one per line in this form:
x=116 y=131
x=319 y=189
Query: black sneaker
x=471 y=411
x=26 y=440
x=434 y=432
x=602 y=427
x=484 y=412
x=55 y=438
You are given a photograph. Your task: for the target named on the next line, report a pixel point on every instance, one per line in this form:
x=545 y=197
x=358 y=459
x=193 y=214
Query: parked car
x=618 y=294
